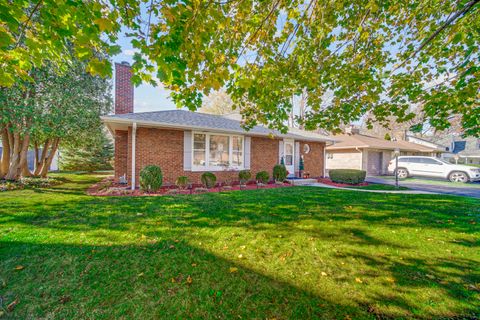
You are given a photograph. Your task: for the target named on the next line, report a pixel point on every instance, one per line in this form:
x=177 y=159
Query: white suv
x=433 y=167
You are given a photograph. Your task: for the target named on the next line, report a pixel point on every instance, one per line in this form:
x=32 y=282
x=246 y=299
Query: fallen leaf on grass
x=140 y=274
x=194 y=264
x=240 y=256
x=18 y=268
x=233 y=269
x=358 y=280
x=324 y=274
x=65 y=299
x=390 y=280
x=12 y=305
x=189 y=280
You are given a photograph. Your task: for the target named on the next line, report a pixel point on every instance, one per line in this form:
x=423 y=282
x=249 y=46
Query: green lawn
x=378 y=186
x=290 y=253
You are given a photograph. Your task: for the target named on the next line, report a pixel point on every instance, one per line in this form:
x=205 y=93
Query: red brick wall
x=314 y=159
x=121 y=153
x=164 y=147
x=123 y=89
x=263 y=154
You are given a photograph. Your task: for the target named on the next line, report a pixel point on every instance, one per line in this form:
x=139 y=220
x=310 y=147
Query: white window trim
x=207 y=152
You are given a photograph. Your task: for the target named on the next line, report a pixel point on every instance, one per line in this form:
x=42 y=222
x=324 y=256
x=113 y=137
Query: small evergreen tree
x=93 y=154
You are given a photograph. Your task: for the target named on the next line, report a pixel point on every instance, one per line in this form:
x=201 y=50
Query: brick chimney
x=123 y=88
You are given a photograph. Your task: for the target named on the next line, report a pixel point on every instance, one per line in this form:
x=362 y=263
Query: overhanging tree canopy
x=351 y=58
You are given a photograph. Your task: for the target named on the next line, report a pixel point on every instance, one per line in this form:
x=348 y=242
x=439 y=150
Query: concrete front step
x=302 y=182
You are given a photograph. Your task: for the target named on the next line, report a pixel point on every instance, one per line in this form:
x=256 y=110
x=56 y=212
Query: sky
x=146 y=97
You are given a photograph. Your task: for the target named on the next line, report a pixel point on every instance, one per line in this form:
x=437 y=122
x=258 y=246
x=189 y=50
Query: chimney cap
x=125 y=63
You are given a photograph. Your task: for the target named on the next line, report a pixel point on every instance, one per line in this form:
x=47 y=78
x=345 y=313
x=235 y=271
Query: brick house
x=184 y=143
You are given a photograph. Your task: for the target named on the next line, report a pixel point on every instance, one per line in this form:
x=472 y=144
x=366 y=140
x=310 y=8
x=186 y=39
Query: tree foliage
x=47 y=111
x=350 y=58
x=218 y=102
x=34 y=33
x=92 y=154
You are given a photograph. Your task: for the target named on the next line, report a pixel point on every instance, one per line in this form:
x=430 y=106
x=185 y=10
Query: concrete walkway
x=432 y=188
x=318 y=184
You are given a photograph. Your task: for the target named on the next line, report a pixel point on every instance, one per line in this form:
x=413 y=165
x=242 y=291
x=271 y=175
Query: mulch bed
x=341 y=185
x=107 y=187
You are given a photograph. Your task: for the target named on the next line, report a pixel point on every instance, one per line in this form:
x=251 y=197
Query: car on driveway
x=412 y=166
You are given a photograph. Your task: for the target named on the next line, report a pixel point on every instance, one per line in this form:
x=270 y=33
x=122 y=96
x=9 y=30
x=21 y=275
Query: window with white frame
x=212 y=151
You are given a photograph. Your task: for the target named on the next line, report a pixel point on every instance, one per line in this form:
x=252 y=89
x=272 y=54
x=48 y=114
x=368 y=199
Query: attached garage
x=362 y=152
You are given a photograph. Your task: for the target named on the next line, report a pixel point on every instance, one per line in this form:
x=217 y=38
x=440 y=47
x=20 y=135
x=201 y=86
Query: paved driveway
x=439 y=186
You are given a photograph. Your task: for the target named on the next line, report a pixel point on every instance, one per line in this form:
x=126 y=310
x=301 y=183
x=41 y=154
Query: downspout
x=134 y=141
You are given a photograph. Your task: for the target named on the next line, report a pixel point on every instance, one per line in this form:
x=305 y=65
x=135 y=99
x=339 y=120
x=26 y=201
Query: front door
x=288 y=156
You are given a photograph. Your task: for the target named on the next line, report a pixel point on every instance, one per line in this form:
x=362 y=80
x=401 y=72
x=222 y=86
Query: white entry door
x=288 y=154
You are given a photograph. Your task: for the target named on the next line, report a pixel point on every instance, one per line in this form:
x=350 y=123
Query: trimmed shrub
x=244 y=176
x=151 y=178
x=348 y=176
x=182 y=182
x=208 y=179
x=279 y=172
x=262 y=177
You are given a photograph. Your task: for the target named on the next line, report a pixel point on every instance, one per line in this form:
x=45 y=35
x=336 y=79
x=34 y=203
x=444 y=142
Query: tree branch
x=447 y=23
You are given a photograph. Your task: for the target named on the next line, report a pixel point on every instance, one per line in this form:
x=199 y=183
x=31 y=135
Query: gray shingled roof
x=196 y=120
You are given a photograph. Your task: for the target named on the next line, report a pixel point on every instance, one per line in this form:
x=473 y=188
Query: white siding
x=349 y=159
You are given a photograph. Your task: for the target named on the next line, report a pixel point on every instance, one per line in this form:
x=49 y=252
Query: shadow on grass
x=254 y=209
x=167 y=279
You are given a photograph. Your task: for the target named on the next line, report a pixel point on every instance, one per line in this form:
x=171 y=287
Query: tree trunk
x=5 y=160
x=40 y=161
x=25 y=171
x=19 y=157
x=48 y=161
x=12 y=173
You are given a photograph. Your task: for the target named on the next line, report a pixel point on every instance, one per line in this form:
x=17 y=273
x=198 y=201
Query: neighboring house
x=184 y=143
x=357 y=151
x=457 y=150
x=31 y=159
x=426 y=143
x=465 y=151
